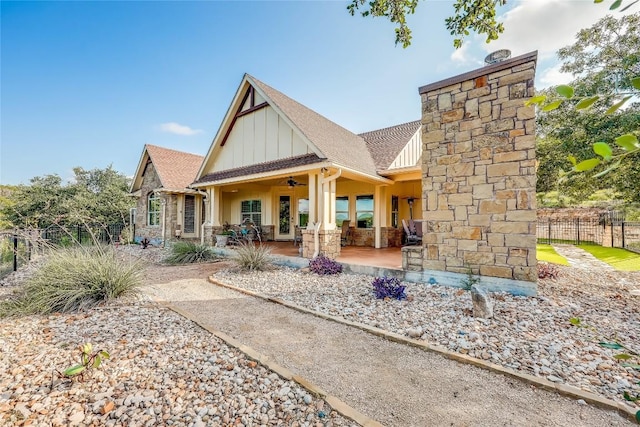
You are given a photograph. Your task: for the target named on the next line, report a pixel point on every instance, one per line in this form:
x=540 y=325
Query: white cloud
x=552 y=76
x=178 y=129
x=547 y=25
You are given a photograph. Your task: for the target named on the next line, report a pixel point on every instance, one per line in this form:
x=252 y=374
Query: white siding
x=410 y=154
x=258 y=99
x=259 y=137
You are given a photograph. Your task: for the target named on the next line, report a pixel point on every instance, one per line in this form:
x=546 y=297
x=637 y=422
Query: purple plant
x=388 y=287
x=323 y=265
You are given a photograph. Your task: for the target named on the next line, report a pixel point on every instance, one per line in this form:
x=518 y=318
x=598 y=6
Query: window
x=394 y=211
x=303 y=212
x=364 y=211
x=342 y=209
x=252 y=210
x=153 y=209
x=189 y=213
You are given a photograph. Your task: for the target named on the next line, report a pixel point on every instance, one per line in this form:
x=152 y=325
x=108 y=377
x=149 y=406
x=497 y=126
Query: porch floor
x=359 y=255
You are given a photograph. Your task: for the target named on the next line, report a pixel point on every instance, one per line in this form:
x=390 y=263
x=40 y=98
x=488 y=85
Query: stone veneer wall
x=329 y=243
x=150 y=182
x=479 y=179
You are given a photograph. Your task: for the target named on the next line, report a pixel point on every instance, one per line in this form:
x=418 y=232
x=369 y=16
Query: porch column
x=313 y=198
x=379 y=213
x=215 y=206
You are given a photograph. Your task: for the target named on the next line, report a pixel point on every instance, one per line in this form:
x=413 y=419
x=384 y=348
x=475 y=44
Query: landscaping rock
x=482 y=303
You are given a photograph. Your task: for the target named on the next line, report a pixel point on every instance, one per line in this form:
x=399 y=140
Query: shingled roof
x=385 y=144
x=176 y=169
x=336 y=143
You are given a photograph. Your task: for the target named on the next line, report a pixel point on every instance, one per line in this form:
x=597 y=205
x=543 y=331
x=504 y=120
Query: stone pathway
x=390 y=382
x=579 y=258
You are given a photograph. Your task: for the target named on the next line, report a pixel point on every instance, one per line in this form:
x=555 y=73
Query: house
x=281 y=165
x=464 y=172
x=166 y=207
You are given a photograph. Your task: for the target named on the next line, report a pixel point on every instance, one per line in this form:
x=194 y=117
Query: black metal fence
x=18 y=246
x=610 y=232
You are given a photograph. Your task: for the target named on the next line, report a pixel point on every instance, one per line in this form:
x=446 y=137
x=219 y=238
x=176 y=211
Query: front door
x=285 y=227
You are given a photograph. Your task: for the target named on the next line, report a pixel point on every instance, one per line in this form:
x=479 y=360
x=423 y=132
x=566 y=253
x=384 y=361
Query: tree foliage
x=475 y=15
x=98 y=196
x=590 y=125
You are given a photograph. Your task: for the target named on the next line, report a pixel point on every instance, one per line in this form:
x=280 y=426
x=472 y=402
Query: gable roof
x=338 y=144
x=328 y=140
x=176 y=169
x=385 y=144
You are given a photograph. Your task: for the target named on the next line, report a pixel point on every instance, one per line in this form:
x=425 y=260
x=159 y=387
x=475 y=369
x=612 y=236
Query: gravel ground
x=530 y=334
x=163 y=370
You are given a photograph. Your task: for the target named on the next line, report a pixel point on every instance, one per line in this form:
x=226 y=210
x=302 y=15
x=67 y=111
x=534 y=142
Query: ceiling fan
x=293 y=183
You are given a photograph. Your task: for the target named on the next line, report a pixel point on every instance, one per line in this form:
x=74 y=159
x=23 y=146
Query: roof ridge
x=391 y=127
x=174 y=150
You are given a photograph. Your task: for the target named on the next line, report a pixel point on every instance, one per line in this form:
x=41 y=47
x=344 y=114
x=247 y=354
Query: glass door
x=285 y=227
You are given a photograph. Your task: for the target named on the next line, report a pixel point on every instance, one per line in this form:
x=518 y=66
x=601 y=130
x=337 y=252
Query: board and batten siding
x=258 y=137
x=410 y=154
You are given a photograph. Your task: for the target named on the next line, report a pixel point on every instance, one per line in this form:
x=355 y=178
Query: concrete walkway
x=392 y=383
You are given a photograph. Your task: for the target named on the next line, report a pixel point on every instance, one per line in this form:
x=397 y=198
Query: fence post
x=549 y=233
x=578 y=229
x=623 y=245
x=15 y=252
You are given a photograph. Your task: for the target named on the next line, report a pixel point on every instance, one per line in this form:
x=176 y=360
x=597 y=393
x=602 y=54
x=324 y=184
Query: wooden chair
x=346 y=232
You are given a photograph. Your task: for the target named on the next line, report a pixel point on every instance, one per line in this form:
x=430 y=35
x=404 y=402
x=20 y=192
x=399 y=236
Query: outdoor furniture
x=415 y=226
x=346 y=232
x=411 y=235
x=297 y=236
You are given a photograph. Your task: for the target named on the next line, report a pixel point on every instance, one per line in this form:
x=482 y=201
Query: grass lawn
x=548 y=254
x=620 y=259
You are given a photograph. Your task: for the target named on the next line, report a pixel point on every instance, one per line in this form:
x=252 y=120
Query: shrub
x=252 y=257
x=322 y=265
x=75 y=279
x=547 y=271
x=190 y=252
x=388 y=287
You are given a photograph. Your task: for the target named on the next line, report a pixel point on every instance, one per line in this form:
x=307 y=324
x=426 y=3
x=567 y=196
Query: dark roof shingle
x=385 y=144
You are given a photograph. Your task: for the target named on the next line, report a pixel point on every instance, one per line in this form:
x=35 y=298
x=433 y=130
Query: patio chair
x=411 y=235
x=346 y=232
x=415 y=227
x=297 y=235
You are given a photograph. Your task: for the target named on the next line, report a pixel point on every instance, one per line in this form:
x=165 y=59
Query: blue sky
x=89 y=83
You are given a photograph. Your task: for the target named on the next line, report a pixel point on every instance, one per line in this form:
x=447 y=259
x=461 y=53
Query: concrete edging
x=336 y=404
x=563 y=389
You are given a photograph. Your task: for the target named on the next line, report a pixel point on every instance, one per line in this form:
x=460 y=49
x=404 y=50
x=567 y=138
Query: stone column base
x=329 y=243
x=208 y=235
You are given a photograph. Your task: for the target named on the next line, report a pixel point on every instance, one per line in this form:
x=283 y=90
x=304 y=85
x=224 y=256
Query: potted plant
x=223 y=236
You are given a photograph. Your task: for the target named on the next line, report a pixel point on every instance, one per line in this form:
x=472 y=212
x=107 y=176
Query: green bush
x=189 y=252
x=252 y=257
x=75 y=279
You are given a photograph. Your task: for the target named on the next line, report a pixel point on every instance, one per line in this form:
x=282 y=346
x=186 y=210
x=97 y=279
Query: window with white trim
x=394 y=211
x=364 y=211
x=252 y=210
x=153 y=209
x=342 y=209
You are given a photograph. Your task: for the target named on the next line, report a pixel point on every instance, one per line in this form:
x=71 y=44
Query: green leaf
x=586 y=165
x=628 y=397
x=616 y=4
x=74 y=370
x=587 y=102
x=622 y=356
x=638 y=416
x=602 y=149
x=87 y=348
x=611 y=345
x=628 y=142
x=536 y=100
x=572 y=160
x=598 y=1
x=104 y=354
x=628 y=6
x=564 y=90
x=553 y=105
x=575 y=321
x=631 y=365
x=96 y=362
x=617 y=105
x=636 y=82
